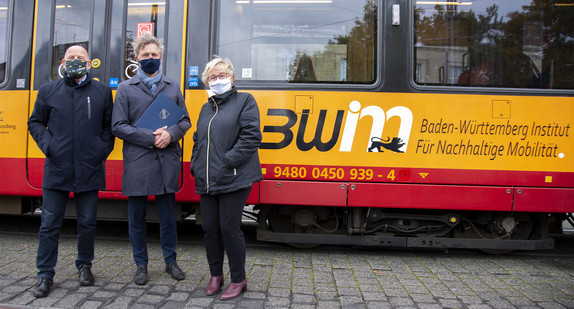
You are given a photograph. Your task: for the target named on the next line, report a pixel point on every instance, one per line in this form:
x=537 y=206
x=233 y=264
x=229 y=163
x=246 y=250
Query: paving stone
x=94 y=305
x=303 y=306
x=302 y=290
x=423 y=298
x=479 y=306
x=325 y=287
x=324 y=304
x=151 y=299
x=277 y=302
x=370 y=287
x=329 y=296
x=378 y=305
x=171 y=305
x=281 y=277
x=254 y=295
x=120 y=302
x=203 y=302
x=521 y=301
x=450 y=303
x=373 y=296
x=502 y=304
x=251 y=303
x=277 y=292
x=396 y=292
x=178 y=297
x=303 y=298
x=348 y=300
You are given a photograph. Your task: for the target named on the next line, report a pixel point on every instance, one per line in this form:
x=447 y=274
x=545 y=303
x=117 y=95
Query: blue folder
x=162 y=112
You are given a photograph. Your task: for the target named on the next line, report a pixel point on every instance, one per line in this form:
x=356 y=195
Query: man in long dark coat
x=71 y=123
x=152 y=158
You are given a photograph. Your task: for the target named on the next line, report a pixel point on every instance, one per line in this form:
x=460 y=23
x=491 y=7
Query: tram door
x=107 y=30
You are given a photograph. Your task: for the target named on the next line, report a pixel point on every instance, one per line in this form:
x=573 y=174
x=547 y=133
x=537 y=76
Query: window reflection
x=71 y=27
x=3 y=38
x=299 y=41
x=488 y=43
x=143 y=16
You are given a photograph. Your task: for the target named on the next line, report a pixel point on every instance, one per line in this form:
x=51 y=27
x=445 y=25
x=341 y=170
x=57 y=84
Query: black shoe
x=42 y=288
x=141 y=275
x=174 y=270
x=86 y=277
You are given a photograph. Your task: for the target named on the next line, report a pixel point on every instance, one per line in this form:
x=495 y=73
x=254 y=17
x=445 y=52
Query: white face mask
x=220 y=86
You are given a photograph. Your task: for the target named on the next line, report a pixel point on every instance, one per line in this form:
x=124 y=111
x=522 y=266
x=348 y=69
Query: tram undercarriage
x=491 y=232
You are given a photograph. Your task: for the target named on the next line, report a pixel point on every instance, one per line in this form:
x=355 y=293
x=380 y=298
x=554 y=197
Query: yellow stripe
x=183 y=46
x=34 y=45
x=448 y=131
x=13 y=124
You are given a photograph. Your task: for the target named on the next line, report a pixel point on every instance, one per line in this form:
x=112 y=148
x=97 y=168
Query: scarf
x=150 y=82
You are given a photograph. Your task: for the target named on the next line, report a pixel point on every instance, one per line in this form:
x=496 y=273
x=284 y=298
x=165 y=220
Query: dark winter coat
x=225 y=144
x=71 y=124
x=147 y=170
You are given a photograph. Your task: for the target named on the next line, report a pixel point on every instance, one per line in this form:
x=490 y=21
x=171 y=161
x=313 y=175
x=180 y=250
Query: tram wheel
x=522 y=230
x=282 y=220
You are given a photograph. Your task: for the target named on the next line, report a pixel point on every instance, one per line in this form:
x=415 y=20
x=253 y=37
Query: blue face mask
x=150 y=65
x=76 y=68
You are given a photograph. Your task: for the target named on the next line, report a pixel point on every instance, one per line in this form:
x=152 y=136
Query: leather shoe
x=141 y=275
x=174 y=270
x=42 y=288
x=86 y=276
x=234 y=290
x=214 y=285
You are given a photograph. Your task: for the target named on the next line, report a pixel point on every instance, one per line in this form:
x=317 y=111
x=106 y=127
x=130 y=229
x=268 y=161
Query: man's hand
x=162 y=138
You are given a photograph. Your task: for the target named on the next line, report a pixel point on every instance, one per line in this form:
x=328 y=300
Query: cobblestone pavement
x=283 y=277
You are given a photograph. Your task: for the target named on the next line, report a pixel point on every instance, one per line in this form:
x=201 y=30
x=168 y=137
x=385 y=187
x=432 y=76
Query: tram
x=402 y=123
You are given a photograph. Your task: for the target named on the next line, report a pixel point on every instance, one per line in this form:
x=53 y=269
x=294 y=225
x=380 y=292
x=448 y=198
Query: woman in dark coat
x=151 y=158
x=225 y=164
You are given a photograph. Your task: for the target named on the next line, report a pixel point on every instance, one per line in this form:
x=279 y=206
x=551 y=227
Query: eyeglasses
x=216 y=77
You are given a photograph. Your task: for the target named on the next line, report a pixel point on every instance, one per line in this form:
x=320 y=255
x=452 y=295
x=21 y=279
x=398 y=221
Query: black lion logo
x=378 y=144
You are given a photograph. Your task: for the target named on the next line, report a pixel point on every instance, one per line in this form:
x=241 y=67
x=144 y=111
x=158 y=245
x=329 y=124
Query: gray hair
x=217 y=62
x=146 y=39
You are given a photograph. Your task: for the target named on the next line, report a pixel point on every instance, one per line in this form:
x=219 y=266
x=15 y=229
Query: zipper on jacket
x=208 y=146
x=89 y=109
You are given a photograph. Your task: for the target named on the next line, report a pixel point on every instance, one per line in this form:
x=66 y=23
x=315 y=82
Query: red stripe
x=439 y=189
x=303 y=193
x=418 y=175
x=544 y=200
x=430 y=196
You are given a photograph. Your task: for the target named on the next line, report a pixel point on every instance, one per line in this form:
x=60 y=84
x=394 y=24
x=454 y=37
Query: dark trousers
x=167 y=227
x=53 y=210
x=221 y=222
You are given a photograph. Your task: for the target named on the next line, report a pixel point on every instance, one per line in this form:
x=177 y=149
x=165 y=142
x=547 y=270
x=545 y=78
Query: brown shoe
x=234 y=290
x=214 y=285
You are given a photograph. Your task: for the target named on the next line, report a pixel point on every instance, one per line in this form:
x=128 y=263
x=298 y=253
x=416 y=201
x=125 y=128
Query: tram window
x=71 y=27
x=330 y=41
x=489 y=43
x=4 y=9
x=143 y=16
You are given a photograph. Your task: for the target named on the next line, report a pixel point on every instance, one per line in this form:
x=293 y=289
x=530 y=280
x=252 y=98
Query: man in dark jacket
x=71 y=123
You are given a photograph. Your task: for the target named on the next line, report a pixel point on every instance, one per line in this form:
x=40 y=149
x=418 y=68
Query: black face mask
x=76 y=68
x=150 y=65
